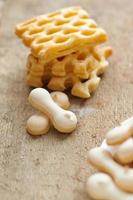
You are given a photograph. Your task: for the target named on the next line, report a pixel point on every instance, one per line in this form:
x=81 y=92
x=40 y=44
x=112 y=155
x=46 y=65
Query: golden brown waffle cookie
x=60 y=33
x=68 y=70
x=94 y=65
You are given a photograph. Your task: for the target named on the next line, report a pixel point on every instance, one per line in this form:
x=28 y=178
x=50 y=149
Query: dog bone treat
x=60 y=33
x=100 y=186
x=63 y=120
x=120 y=133
x=115 y=159
x=103 y=161
x=61 y=99
x=123 y=153
x=39 y=124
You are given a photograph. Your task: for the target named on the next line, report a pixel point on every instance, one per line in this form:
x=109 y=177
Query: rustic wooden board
x=54 y=167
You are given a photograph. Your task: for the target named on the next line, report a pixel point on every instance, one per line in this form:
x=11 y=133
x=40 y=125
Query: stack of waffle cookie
x=65 y=51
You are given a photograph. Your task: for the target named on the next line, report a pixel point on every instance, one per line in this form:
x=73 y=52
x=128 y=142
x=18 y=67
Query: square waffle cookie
x=60 y=33
x=79 y=71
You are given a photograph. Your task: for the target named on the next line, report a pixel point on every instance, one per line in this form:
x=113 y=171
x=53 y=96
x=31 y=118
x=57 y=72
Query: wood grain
x=54 y=167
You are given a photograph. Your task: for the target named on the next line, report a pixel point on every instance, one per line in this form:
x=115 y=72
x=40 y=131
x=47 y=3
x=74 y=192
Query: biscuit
x=101 y=186
x=78 y=71
x=63 y=120
x=120 y=133
x=103 y=161
x=60 y=33
x=122 y=153
x=93 y=65
x=119 y=142
x=39 y=124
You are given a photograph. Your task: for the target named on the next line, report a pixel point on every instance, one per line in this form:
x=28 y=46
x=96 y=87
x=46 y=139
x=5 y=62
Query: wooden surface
x=54 y=167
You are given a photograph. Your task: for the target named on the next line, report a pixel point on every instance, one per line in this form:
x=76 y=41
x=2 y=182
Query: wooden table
x=54 y=167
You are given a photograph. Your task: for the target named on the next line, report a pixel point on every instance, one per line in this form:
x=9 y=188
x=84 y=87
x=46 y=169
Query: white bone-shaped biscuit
x=123 y=153
x=100 y=186
x=102 y=160
x=63 y=120
x=39 y=124
x=120 y=133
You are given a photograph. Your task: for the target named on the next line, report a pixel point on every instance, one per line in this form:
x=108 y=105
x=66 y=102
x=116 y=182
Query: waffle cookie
x=79 y=71
x=60 y=33
x=65 y=51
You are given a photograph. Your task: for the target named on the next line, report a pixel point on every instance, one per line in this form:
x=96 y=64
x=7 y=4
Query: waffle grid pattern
x=60 y=33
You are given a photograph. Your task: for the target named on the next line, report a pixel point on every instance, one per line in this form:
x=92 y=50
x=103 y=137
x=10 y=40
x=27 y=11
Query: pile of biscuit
x=115 y=161
x=65 y=51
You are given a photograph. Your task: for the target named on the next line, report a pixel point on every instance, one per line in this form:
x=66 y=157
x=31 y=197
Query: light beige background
x=54 y=167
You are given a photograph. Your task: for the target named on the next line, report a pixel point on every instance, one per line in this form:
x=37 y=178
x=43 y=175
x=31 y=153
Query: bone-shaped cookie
x=102 y=160
x=63 y=120
x=100 y=186
x=122 y=136
x=123 y=153
x=39 y=124
x=120 y=133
